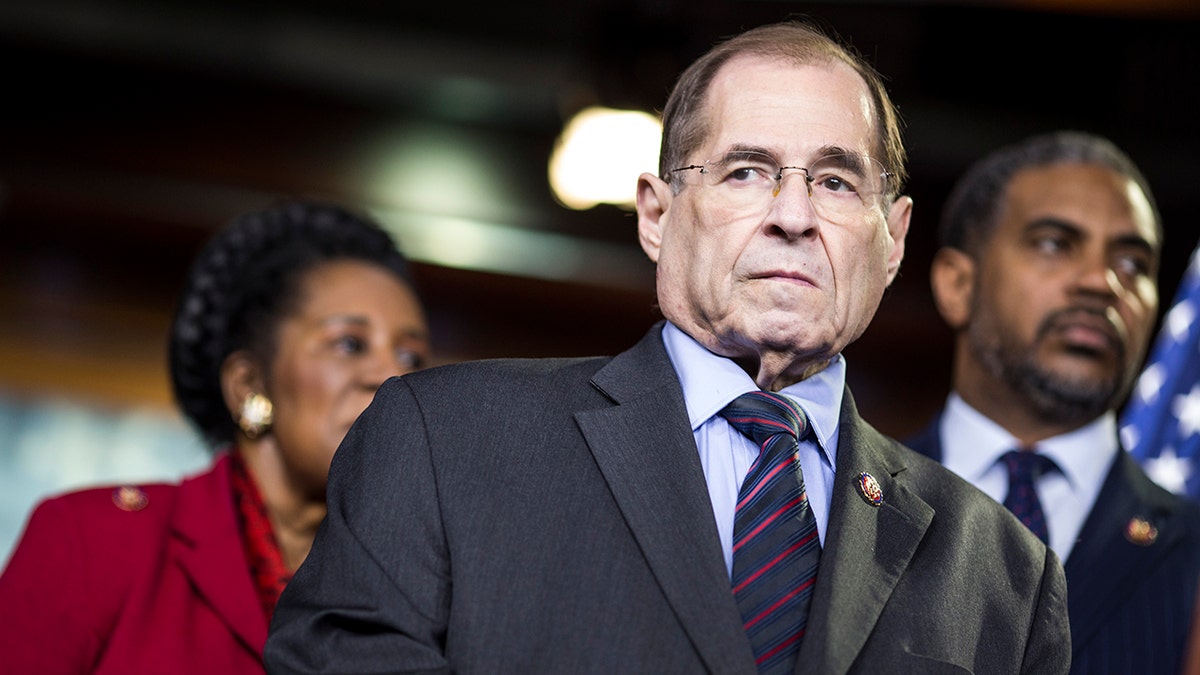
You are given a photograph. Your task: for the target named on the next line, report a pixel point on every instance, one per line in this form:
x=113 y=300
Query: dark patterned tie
x=775 y=545
x=1025 y=467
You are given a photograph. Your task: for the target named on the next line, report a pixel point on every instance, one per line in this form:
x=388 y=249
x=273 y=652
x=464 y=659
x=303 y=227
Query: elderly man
x=710 y=500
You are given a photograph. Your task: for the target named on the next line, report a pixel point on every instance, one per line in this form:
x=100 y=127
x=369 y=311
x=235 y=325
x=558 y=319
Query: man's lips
x=785 y=276
x=1086 y=330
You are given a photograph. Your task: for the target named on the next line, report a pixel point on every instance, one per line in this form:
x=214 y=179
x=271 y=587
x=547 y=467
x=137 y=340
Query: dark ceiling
x=132 y=130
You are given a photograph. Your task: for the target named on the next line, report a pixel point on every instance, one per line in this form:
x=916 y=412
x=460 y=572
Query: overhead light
x=599 y=155
x=451 y=198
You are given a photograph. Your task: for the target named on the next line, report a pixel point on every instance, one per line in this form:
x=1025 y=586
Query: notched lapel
x=867 y=548
x=211 y=556
x=1094 y=592
x=647 y=454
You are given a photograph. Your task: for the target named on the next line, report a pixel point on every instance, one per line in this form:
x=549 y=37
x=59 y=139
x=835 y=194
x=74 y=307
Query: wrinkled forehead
x=792 y=109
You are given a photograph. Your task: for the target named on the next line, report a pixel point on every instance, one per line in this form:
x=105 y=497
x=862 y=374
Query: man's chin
x=793 y=338
x=1069 y=393
x=1083 y=374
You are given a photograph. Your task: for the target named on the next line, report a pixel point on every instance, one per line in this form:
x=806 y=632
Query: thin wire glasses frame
x=839 y=185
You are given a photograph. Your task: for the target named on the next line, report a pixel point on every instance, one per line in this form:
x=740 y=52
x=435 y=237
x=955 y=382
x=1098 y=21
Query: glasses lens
x=842 y=187
x=846 y=185
x=747 y=171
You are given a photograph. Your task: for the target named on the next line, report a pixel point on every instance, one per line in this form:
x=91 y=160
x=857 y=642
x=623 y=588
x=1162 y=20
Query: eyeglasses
x=842 y=187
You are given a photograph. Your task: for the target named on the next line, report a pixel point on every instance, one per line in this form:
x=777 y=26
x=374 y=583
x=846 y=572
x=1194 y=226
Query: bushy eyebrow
x=850 y=161
x=742 y=151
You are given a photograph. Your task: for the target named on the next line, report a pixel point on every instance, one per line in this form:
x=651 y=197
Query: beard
x=1053 y=396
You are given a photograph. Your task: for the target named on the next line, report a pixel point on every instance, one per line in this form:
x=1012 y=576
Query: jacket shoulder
x=80 y=554
x=113 y=528
x=503 y=382
x=128 y=505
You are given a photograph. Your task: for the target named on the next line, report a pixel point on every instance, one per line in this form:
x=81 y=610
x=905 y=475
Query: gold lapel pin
x=130 y=498
x=869 y=488
x=1139 y=531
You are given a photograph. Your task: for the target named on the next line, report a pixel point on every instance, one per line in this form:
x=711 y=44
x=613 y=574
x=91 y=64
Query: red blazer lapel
x=207 y=546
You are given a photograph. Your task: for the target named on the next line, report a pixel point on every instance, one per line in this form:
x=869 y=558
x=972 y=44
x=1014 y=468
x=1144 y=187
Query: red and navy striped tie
x=775 y=544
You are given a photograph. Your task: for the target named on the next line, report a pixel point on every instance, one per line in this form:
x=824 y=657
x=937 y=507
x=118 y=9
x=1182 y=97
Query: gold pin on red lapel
x=130 y=498
x=869 y=488
x=1139 y=531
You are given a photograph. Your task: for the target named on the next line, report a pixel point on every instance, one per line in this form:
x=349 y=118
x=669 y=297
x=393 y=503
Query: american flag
x=1161 y=423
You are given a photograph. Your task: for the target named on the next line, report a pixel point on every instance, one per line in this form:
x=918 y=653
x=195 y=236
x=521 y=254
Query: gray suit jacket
x=551 y=516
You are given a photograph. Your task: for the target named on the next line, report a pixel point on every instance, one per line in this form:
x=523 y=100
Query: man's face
x=1065 y=297
x=782 y=279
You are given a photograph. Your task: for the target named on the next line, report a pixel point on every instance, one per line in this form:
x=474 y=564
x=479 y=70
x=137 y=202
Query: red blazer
x=94 y=587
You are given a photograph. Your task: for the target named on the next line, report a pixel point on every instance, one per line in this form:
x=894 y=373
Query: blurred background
x=131 y=131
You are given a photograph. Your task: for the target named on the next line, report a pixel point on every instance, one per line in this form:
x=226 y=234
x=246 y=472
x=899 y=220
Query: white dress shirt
x=972 y=445
x=710 y=382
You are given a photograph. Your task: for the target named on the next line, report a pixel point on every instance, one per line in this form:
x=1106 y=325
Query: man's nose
x=1097 y=275
x=792 y=210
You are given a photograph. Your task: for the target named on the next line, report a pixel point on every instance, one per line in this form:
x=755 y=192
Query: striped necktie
x=775 y=544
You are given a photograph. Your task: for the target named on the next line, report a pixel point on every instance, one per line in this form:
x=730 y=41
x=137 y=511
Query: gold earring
x=257 y=415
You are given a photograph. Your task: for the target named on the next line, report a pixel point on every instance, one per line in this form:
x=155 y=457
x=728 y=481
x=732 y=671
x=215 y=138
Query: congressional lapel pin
x=1139 y=531
x=130 y=498
x=869 y=488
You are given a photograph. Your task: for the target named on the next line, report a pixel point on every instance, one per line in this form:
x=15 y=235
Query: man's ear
x=952 y=278
x=899 y=216
x=653 y=199
x=241 y=376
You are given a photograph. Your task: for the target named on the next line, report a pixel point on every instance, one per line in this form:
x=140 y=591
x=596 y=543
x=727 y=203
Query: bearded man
x=1047 y=271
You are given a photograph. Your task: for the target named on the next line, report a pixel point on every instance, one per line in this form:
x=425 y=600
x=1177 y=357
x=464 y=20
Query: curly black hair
x=245 y=281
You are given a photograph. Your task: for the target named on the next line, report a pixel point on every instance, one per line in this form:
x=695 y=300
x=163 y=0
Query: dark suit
x=1130 y=605
x=93 y=588
x=552 y=516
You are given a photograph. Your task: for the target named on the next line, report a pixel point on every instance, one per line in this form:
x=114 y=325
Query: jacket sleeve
x=373 y=593
x=55 y=607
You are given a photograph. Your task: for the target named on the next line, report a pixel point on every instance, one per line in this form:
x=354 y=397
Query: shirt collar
x=710 y=382
x=973 y=442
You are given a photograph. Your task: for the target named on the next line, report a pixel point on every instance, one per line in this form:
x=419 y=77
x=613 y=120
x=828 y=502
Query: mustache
x=1088 y=315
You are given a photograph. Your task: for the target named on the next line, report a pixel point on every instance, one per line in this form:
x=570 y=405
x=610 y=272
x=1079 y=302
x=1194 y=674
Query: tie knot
x=1026 y=465
x=761 y=415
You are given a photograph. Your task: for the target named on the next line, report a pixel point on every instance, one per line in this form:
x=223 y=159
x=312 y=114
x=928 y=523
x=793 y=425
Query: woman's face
x=357 y=325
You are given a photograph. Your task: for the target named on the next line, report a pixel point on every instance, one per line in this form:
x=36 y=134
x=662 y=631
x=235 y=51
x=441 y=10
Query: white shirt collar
x=972 y=443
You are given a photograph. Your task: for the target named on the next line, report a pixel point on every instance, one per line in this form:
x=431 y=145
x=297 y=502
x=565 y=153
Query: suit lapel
x=207 y=546
x=646 y=451
x=867 y=548
x=1094 y=591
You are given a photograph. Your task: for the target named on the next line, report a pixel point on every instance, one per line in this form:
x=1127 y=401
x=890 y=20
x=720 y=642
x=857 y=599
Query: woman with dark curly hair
x=290 y=320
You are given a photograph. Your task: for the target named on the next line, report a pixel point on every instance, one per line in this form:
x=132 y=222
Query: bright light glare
x=493 y=247
x=440 y=170
x=599 y=155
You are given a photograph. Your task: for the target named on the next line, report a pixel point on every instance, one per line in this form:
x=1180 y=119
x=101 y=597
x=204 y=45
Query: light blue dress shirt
x=972 y=445
x=710 y=383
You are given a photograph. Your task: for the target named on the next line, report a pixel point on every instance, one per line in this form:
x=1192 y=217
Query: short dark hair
x=969 y=216
x=685 y=121
x=245 y=280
